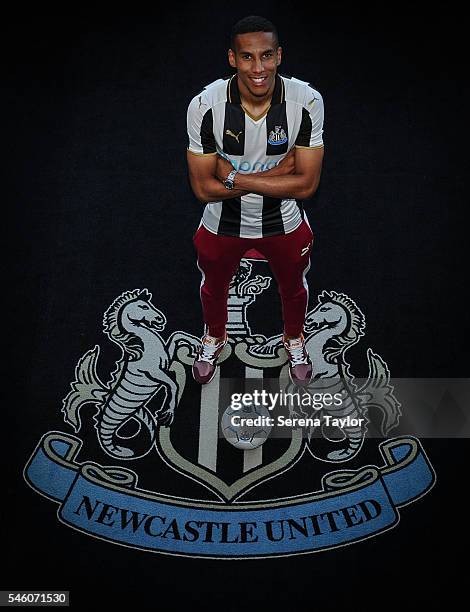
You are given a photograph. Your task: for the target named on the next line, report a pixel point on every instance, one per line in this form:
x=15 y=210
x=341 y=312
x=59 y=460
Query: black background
x=100 y=204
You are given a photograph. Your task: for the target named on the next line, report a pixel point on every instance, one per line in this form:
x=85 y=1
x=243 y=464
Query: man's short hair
x=253 y=23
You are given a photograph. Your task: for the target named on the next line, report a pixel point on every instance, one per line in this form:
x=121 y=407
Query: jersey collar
x=233 y=92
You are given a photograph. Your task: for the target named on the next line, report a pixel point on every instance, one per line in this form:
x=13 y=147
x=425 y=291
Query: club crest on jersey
x=277 y=136
x=155 y=462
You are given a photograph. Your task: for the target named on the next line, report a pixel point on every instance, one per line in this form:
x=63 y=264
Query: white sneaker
x=204 y=365
x=300 y=366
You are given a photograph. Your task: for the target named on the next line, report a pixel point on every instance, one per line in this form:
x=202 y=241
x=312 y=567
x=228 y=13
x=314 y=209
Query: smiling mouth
x=258 y=80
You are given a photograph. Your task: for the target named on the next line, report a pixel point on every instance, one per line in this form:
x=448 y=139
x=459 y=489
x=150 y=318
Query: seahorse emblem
x=236 y=136
x=133 y=323
x=331 y=328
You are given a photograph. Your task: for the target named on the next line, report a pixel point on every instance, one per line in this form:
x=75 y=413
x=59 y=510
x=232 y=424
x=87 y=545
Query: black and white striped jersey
x=217 y=123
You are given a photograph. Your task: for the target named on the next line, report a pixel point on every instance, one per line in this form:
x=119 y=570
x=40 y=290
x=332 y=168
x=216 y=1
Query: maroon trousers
x=289 y=259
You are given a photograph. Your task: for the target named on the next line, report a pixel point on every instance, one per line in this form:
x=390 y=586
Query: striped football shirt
x=217 y=124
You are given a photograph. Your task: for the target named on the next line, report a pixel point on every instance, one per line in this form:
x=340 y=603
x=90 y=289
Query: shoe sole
x=298 y=384
x=207 y=381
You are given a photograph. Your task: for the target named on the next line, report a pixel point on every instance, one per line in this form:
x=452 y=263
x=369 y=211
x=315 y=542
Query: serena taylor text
x=225 y=532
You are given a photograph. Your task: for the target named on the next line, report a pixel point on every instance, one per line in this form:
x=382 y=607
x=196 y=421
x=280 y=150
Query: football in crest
x=246 y=428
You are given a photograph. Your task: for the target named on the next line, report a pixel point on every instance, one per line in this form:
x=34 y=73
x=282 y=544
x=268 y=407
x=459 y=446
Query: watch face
x=229 y=182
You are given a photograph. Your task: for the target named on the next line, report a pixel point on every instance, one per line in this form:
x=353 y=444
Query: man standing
x=255 y=151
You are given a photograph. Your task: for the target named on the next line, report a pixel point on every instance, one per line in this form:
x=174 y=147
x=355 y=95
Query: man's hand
x=286 y=166
x=223 y=168
x=300 y=185
x=204 y=180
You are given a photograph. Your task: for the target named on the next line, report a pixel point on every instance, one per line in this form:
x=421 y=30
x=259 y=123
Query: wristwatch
x=229 y=182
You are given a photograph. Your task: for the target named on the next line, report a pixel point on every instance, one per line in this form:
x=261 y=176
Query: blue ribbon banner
x=353 y=505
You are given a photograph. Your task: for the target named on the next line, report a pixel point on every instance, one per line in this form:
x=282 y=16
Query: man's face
x=256 y=59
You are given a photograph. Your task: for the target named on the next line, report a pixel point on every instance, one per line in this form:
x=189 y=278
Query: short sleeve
x=200 y=128
x=311 y=127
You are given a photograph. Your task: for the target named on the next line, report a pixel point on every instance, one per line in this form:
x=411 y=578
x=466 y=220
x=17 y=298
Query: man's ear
x=231 y=58
x=279 y=55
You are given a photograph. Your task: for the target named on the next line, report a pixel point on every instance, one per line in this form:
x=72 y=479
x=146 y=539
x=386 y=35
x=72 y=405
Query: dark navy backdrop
x=103 y=205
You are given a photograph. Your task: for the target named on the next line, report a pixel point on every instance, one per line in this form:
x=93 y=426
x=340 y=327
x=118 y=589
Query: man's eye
x=268 y=55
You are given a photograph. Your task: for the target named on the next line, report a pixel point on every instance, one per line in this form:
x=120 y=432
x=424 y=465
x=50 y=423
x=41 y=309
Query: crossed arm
x=297 y=176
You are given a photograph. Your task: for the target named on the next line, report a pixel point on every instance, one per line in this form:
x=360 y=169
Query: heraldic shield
x=195 y=444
